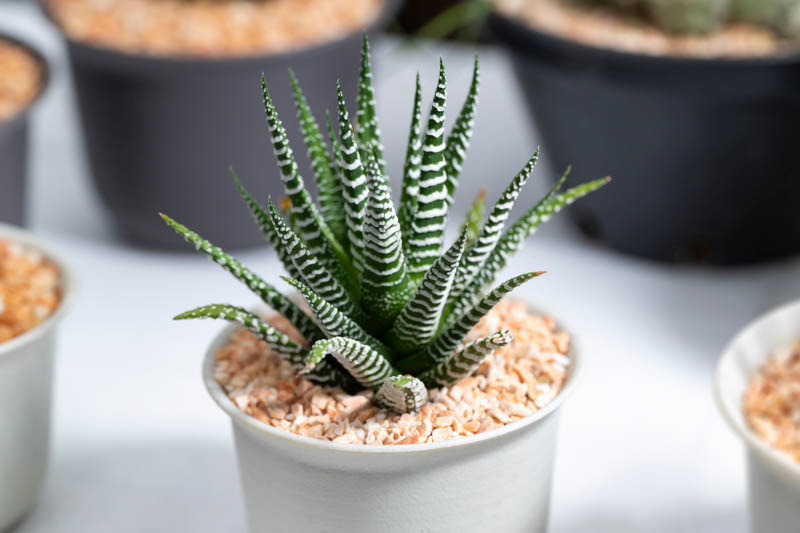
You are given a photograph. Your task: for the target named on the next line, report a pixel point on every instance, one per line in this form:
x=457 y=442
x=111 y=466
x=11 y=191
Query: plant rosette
x=391 y=316
x=774 y=476
x=17 y=60
x=26 y=370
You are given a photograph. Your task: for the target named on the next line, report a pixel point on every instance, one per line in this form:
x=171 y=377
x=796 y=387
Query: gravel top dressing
x=20 y=79
x=211 y=28
x=510 y=384
x=772 y=401
x=30 y=289
x=608 y=29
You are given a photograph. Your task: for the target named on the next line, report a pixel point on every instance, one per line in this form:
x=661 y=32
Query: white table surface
x=138 y=445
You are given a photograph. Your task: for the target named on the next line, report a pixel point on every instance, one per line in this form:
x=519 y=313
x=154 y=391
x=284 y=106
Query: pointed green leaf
x=329 y=188
x=368 y=132
x=448 y=340
x=354 y=183
x=385 y=284
x=268 y=294
x=411 y=169
x=492 y=229
x=335 y=323
x=430 y=218
x=336 y=218
x=458 y=141
x=513 y=239
x=401 y=394
x=264 y=222
x=314 y=274
x=416 y=324
x=474 y=217
x=304 y=215
x=365 y=364
x=466 y=361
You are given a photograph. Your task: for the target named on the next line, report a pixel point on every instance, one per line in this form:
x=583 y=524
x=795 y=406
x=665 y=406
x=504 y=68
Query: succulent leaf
x=268 y=294
x=411 y=169
x=369 y=134
x=466 y=361
x=430 y=217
x=417 y=323
x=277 y=341
x=513 y=239
x=386 y=286
x=448 y=340
x=354 y=183
x=336 y=220
x=458 y=141
x=312 y=272
x=492 y=229
x=364 y=363
x=313 y=230
x=335 y=323
x=329 y=188
x=474 y=217
x=402 y=394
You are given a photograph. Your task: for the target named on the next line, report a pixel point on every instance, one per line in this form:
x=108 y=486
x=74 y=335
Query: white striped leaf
x=464 y=362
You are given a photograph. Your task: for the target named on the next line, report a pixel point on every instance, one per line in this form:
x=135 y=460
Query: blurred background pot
x=498 y=480
x=26 y=370
x=702 y=151
x=162 y=131
x=14 y=134
x=774 y=477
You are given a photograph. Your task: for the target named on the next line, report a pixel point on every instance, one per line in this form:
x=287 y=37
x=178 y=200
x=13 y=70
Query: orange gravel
x=20 y=79
x=606 y=28
x=772 y=401
x=30 y=290
x=211 y=27
x=512 y=383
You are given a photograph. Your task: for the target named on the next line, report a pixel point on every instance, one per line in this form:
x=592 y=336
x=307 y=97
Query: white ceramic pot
x=26 y=370
x=774 y=477
x=499 y=480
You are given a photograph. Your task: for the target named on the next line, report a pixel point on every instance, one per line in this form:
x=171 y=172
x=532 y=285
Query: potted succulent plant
x=158 y=80
x=36 y=290
x=383 y=345
x=756 y=386
x=694 y=127
x=22 y=84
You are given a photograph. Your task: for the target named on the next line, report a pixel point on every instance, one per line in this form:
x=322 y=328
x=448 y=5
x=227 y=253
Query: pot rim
x=44 y=82
x=239 y=417
x=30 y=241
x=631 y=58
x=389 y=9
x=763 y=449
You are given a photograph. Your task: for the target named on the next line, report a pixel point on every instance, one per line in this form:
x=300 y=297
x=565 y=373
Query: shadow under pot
x=702 y=151
x=14 y=136
x=162 y=131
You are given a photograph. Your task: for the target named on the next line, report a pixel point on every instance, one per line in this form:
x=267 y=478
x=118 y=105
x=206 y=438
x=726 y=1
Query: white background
x=138 y=445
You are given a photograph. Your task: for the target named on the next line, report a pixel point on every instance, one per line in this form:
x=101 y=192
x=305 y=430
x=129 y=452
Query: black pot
x=161 y=132
x=14 y=149
x=703 y=152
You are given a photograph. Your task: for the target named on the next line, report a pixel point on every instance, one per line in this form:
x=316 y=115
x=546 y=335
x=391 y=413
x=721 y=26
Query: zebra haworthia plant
x=389 y=306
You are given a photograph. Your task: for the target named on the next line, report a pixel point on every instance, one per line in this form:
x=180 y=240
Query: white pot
x=497 y=480
x=26 y=370
x=774 y=477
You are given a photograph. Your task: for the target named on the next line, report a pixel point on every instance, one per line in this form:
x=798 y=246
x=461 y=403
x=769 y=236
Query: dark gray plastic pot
x=14 y=150
x=703 y=152
x=161 y=132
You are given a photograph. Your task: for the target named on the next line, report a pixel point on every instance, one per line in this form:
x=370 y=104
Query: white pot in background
x=495 y=481
x=26 y=370
x=774 y=477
